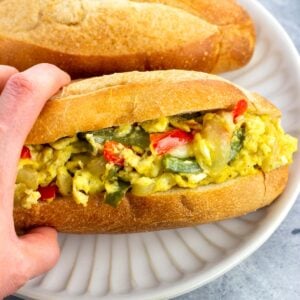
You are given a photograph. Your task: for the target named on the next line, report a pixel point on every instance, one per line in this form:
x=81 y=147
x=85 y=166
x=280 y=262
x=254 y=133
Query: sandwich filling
x=186 y=151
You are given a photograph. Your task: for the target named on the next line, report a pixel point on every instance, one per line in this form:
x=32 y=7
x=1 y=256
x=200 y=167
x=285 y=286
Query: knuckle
x=19 y=86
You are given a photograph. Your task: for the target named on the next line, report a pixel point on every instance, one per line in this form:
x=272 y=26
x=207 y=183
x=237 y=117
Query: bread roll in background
x=87 y=37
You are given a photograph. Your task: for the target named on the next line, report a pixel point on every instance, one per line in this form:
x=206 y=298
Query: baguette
x=136 y=97
x=87 y=38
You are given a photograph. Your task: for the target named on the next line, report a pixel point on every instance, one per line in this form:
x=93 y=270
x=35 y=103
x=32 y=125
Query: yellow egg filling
x=212 y=148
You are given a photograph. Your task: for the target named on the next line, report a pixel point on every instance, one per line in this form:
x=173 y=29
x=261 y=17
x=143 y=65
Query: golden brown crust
x=236 y=28
x=130 y=97
x=126 y=98
x=175 y=208
x=224 y=12
x=87 y=38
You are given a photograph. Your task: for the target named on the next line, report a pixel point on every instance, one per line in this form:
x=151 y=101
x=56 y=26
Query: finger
x=40 y=250
x=24 y=96
x=21 y=101
x=5 y=73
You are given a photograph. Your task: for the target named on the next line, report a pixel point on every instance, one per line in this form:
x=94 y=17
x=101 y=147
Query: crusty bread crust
x=134 y=97
x=88 y=38
x=174 y=208
x=236 y=29
x=125 y=98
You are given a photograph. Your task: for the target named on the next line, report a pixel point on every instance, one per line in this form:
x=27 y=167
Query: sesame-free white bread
x=133 y=97
x=87 y=37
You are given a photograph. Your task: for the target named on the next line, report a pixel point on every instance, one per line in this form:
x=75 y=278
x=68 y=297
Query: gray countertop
x=272 y=272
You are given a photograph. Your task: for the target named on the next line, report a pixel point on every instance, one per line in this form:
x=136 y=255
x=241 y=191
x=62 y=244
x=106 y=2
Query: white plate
x=168 y=263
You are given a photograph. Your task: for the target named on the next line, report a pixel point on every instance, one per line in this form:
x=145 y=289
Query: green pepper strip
x=181 y=165
x=137 y=137
x=115 y=198
x=237 y=143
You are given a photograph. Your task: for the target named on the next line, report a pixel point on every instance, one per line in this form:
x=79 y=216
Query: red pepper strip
x=112 y=154
x=166 y=141
x=239 y=109
x=48 y=192
x=25 y=153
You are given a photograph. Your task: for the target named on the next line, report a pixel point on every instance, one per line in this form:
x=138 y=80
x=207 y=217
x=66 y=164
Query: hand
x=23 y=96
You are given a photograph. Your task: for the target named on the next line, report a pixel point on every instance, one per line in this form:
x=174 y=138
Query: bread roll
x=86 y=37
x=126 y=98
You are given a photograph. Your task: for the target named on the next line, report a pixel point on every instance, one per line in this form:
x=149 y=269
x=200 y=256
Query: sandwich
x=143 y=151
x=87 y=38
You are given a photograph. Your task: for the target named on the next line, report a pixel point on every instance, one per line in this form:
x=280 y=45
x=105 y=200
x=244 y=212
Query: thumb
x=40 y=250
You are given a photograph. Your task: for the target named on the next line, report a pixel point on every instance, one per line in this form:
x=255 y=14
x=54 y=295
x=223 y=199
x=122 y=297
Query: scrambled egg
x=220 y=150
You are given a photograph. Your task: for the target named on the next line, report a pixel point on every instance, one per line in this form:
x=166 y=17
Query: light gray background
x=272 y=272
